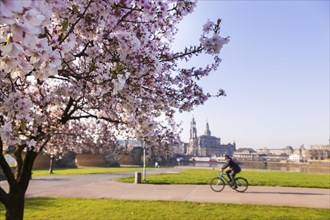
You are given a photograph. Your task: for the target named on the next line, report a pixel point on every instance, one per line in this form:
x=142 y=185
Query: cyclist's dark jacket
x=232 y=164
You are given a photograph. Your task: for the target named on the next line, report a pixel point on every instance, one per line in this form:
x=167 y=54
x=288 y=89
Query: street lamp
x=144 y=163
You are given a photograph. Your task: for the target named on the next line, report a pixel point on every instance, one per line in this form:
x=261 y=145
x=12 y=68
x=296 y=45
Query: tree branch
x=4 y=198
x=73 y=26
x=6 y=168
x=65 y=114
x=183 y=54
x=18 y=156
x=94 y=116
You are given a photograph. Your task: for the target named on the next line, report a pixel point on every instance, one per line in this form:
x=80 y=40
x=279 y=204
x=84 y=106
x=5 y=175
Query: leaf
x=119 y=69
x=65 y=25
x=74 y=9
x=9 y=39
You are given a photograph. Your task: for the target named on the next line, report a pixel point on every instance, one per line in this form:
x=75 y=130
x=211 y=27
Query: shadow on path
x=289 y=193
x=51 y=179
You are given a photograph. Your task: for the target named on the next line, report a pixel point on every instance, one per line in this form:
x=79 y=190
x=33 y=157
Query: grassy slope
x=254 y=177
x=203 y=176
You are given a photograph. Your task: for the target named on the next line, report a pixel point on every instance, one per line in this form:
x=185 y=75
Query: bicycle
x=217 y=184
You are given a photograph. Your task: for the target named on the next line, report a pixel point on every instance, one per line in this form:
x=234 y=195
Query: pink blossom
x=207 y=27
x=12 y=50
x=76 y=75
x=9 y=7
x=33 y=18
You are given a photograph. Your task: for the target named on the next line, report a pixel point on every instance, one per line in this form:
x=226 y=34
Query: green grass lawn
x=81 y=171
x=68 y=208
x=203 y=176
x=64 y=208
x=254 y=177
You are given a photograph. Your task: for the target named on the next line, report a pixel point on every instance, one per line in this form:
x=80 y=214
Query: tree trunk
x=15 y=210
x=51 y=164
x=18 y=183
x=14 y=199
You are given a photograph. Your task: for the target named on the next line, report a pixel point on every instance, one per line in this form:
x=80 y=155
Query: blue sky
x=275 y=71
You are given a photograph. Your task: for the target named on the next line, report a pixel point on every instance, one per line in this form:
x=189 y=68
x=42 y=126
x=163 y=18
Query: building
x=181 y=149
x=287 y=150
x=315 y=152
x=302 y=154
x=246 y=154
x=295 y=158
x=207 y=145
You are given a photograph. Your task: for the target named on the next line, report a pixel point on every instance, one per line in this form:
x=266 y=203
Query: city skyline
x=275 y=71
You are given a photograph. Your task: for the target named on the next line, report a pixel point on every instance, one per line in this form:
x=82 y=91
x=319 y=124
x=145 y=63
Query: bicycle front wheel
x=217 y=184
x=242 y=184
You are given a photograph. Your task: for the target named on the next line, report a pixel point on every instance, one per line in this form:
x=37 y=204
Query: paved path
x=105 y=186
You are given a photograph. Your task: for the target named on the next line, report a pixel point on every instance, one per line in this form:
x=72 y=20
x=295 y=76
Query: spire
x=207 y=131
x=193 y=130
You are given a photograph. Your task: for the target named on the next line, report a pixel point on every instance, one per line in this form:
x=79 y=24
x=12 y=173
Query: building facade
x=207 y=145
x=315 y=152
x=302 y=154
x=287 y=150
x=246 y=154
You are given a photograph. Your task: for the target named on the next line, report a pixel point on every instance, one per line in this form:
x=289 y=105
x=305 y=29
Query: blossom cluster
x=22 y=48
x=213 y=43
x=84 y=72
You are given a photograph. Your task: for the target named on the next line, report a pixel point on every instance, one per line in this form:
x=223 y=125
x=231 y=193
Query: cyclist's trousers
x=231 y=173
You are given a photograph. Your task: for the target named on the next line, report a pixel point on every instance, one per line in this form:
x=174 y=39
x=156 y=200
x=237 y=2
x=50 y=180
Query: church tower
x=193 y=140
x=193 y=130
x=207 y=131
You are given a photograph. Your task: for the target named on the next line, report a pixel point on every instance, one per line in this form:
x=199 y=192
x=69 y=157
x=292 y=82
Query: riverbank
x=308 y=167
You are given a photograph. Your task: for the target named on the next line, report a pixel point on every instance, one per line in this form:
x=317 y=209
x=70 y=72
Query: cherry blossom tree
x=76 y=74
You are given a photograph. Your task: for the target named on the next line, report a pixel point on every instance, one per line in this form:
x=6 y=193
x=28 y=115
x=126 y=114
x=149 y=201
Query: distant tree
x=76 y=74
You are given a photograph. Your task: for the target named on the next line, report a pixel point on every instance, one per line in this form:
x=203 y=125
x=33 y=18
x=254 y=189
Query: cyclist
x=233 y=169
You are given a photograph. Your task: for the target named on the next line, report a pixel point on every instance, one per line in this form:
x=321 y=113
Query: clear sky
x=275 y=71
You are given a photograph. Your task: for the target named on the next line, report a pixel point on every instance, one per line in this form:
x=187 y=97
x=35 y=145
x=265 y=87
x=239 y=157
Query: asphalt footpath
x=105 y=186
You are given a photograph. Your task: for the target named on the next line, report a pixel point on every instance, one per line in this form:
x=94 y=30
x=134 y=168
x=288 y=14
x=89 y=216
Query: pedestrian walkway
x=105 y=186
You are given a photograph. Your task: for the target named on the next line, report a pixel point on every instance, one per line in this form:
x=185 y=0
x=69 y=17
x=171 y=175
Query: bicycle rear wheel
x=217 y=184
x=242 y=184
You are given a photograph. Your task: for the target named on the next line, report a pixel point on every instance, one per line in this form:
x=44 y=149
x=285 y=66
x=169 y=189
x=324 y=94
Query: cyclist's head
x=226 y=156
